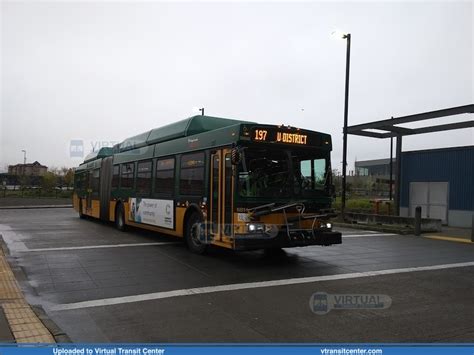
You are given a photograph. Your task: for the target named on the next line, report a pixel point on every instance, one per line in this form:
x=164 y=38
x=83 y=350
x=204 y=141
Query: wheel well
x=119 y=202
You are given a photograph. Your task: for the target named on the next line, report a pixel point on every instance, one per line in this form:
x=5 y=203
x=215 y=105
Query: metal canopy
x=392 y=130
x=389 y=128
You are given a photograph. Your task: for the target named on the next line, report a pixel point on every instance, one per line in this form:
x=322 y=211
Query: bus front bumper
x=282 y=240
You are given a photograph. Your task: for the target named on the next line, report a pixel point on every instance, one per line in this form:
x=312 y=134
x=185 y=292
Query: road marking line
x=244 y=286
x=357 y=231
x=99 y=246
x=368 y=235
x=450 y=239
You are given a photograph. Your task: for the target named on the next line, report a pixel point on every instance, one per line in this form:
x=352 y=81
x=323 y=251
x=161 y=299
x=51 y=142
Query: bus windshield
x=270 y=173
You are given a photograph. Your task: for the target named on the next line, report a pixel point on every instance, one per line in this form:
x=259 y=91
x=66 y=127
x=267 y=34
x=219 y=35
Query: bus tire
x=192 y=234
x=81 y=214
x=120 y=218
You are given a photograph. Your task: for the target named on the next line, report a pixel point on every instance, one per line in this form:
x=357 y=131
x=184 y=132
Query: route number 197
x=260 y=135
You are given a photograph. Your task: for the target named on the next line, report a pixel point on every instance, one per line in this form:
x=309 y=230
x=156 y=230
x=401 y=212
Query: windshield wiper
x=261 y=207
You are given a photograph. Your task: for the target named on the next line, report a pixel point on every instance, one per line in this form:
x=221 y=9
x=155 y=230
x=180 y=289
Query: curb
x=6 y=335
x=33 y=207
x=23 y=322
x=376 y=228
x=59 y=336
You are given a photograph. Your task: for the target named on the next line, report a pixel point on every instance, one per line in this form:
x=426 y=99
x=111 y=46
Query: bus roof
x=202 y=132
x=184 y=128
x=101 y=153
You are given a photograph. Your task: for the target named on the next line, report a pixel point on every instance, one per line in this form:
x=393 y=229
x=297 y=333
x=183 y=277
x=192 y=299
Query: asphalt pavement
x=101 y=285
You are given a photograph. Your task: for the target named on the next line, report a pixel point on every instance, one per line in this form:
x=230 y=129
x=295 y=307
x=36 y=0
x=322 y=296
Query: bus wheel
x=193 y=226
x=81 y=214
x=120 y=218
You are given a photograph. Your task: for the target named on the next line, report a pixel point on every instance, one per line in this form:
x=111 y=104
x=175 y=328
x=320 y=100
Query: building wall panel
x=453 y=165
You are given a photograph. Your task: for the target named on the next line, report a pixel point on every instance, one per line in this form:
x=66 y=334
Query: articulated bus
x=215 y=181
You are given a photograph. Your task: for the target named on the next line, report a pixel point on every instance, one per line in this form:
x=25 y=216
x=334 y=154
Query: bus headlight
x=328 y=225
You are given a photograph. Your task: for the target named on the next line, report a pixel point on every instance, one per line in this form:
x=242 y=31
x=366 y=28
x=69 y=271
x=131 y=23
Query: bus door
x=221 y=199
x=105 y=187
x=89 y=192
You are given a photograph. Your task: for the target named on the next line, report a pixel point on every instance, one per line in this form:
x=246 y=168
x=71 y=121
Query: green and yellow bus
x=215 y=181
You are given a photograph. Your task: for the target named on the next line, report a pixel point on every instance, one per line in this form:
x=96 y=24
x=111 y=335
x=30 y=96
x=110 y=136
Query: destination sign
x=285 y=136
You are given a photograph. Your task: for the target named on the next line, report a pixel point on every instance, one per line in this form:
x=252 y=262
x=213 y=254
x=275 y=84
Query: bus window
x=85 y=180
x=116 y=176
x=164 y=181
x=144 y=177
x=95 y=176
x=313 y=172
x=265 y=173
x=306 y=169
x=127 y=176
x=192 y=174
x=78 y=181
x=268 y=172
x=320 y=171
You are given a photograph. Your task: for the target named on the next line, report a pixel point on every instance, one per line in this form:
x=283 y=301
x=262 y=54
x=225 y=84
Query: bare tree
x=54 y=170
x=49 y=181
x=69 y=177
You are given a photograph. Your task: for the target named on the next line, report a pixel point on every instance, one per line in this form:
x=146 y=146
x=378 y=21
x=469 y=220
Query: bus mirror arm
x=261 y=210
x=324 y=216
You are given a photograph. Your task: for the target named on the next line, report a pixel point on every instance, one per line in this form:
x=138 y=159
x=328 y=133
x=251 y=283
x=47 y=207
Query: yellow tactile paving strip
x=24 y=324
x=449 y=239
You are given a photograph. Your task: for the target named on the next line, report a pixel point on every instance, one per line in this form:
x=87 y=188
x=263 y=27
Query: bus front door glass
x=215 y=200
x=228 y=194
x=221 y=194
x=89 y=190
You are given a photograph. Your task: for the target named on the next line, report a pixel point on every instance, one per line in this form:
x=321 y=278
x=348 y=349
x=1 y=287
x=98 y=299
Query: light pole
x=391 y=167
x=347 y=37
x=24 y=162
x=202 y=111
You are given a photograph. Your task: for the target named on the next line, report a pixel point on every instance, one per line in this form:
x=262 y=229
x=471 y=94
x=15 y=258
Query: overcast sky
x=102 y=71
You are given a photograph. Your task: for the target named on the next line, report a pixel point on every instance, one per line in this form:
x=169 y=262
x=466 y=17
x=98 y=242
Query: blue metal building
x=441 y=181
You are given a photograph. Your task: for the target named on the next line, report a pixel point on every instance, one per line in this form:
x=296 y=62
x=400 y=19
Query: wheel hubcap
x=195 y=231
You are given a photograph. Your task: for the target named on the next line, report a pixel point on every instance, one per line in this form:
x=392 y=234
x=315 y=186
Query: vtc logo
x=76 y=148
x=319 y=303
